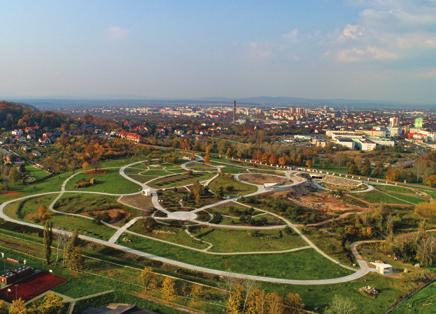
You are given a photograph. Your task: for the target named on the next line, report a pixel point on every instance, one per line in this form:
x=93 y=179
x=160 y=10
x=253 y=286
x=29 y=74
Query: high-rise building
x=419 y=123
x=234 y=111
x=394 y=122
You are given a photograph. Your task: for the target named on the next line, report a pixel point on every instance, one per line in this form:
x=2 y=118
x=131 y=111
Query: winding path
x=362 y=271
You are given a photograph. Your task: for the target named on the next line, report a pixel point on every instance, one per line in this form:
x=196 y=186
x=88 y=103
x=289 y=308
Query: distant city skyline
x=353 y=49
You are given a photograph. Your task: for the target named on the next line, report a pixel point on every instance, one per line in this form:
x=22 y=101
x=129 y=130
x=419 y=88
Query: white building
x=382 y=268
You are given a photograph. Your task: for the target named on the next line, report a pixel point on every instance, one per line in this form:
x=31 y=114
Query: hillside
x=13 y=115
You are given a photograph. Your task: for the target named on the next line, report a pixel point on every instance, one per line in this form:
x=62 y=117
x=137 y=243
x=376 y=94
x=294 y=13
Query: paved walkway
x=364 y=269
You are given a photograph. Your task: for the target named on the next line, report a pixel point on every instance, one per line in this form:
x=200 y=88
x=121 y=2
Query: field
x=260 y=178
x=245 y=241
x=108 y=181
x=230 y=186
x=179 y=180
x=286 y=265
x=262 y=238
x=424 y=302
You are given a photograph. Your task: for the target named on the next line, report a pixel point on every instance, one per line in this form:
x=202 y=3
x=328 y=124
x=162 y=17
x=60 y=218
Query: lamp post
x=9 y=290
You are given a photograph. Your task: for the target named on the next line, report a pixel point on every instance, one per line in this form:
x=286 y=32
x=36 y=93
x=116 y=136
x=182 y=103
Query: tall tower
x=234 y=111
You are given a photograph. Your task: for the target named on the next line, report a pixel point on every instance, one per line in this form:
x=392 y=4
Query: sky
x=353 y=49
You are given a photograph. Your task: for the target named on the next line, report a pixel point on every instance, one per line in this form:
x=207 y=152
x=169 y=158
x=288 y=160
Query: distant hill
x=352 y=104
x=13 y=115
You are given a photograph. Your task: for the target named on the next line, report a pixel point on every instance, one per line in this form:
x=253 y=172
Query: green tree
x=424 y=251
x=48 y=239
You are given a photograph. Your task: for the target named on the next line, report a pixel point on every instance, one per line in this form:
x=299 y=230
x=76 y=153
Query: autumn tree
x=275 y=303
x=426 y=210
x=3 y=308
x=309 y=163
x=282 y=160
x=294 y=303
x=51 y=304
x=42 y=212
x=168 y=289
x=197 y=191
x=256 y=302
x=146 y=276
x=235 y=299
x=18 y=307
x=196 y=293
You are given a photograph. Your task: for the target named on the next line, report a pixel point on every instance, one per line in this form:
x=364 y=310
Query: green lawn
x=171 y=234
x=226 y=181
x=108 y=181
x=318 y=297
x=393 y=188
x=424 y=302
x=35 y=172
x=198 y=166
x=305 y=264
x=27 y=211
x=181 y=179
x=379 y=197
x=50 y=184
x=87 y=204
x=244 y=241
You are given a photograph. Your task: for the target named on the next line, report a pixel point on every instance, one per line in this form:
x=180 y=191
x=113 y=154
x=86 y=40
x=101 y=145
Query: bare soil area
x=327 y=202
x=262 y=178
x=138 y=201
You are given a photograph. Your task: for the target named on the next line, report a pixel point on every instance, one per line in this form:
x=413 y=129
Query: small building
x=147 y=192
x=382 y=268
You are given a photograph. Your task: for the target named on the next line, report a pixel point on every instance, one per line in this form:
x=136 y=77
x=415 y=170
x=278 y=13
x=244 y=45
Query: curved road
x=364 y=269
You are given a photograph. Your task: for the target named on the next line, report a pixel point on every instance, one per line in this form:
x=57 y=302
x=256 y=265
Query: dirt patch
x=111 y=215
x=262 y=178
x=96 y=172
x=327 y=202
x=138 y=201
x=341 y=183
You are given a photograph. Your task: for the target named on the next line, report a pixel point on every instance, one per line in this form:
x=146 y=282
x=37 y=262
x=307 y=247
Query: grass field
x=379 y=197
x=318 y=297
x=226 y=182
x=245 y=241
x=90 y=204
x=27 y=211
x=181 y=179
x=198 y=166
x=171 y=234
x=99 y=276
x=305 y=264
x=424 y=302
x=36 y=173
x=108 y=181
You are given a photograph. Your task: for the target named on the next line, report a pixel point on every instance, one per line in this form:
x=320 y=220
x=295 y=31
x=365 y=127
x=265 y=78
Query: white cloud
x=116 y=32
x=388 y=30
x=366 y=53
x=259 y=51
x=351 y=32
x=292 y=35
